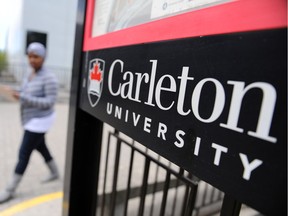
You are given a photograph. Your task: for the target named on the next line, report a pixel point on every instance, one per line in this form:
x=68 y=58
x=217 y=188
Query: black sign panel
x=214 y=105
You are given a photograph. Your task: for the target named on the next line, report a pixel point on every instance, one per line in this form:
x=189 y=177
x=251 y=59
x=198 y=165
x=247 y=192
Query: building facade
x=50 y=22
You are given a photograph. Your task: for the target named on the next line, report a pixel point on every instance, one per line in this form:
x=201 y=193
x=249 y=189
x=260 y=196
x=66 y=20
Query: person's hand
x=16 y=94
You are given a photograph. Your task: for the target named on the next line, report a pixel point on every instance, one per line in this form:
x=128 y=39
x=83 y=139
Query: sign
x=214 y=105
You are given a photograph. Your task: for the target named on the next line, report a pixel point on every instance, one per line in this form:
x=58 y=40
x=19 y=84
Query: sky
x=6 y=12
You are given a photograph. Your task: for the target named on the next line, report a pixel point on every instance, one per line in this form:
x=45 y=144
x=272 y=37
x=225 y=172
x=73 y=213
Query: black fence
x=134 y=180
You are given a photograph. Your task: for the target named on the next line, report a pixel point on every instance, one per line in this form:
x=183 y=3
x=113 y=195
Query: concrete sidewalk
x=31 y=187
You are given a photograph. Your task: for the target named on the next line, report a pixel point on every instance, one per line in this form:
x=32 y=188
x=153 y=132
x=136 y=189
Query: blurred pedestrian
x=37 y=98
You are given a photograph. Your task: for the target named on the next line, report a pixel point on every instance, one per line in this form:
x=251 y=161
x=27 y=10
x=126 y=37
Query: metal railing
x=16 y=72
x=134 y=180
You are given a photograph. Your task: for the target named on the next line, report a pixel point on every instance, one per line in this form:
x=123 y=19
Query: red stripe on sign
x=235 y=16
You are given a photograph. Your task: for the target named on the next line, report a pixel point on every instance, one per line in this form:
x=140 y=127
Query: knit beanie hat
x=37 y=48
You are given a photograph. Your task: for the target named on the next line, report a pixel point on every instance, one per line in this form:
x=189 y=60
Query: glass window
x=113 y=15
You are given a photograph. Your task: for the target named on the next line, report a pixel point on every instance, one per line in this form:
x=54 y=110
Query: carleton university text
x=129 y=87
x=126 y=90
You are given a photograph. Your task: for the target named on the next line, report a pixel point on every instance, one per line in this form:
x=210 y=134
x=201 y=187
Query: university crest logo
x=95 y=80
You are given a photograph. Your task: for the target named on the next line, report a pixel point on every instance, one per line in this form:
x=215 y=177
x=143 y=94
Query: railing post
x=230 y=206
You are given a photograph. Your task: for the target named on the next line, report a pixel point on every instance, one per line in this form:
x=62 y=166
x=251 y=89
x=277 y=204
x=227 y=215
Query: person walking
x=37 y=98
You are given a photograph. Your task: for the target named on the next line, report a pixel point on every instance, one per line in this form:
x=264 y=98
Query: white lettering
x=118 y=112
x=147 y=124
x=110 y=77
x=162 y=129
x=126 y=115
x=159 y=89
x=167 y=86
x=129 y=85
x=219 y=150
x=138 y=84
x=218 y=104
x=135 y=118
x=249 y=167
x=182 y=91
x=152 y=82
x=179 y=135
x=197 y=146
x=109 y=108
x=266 y=111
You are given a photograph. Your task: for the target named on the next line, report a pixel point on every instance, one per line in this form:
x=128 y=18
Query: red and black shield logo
x=95 y=80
